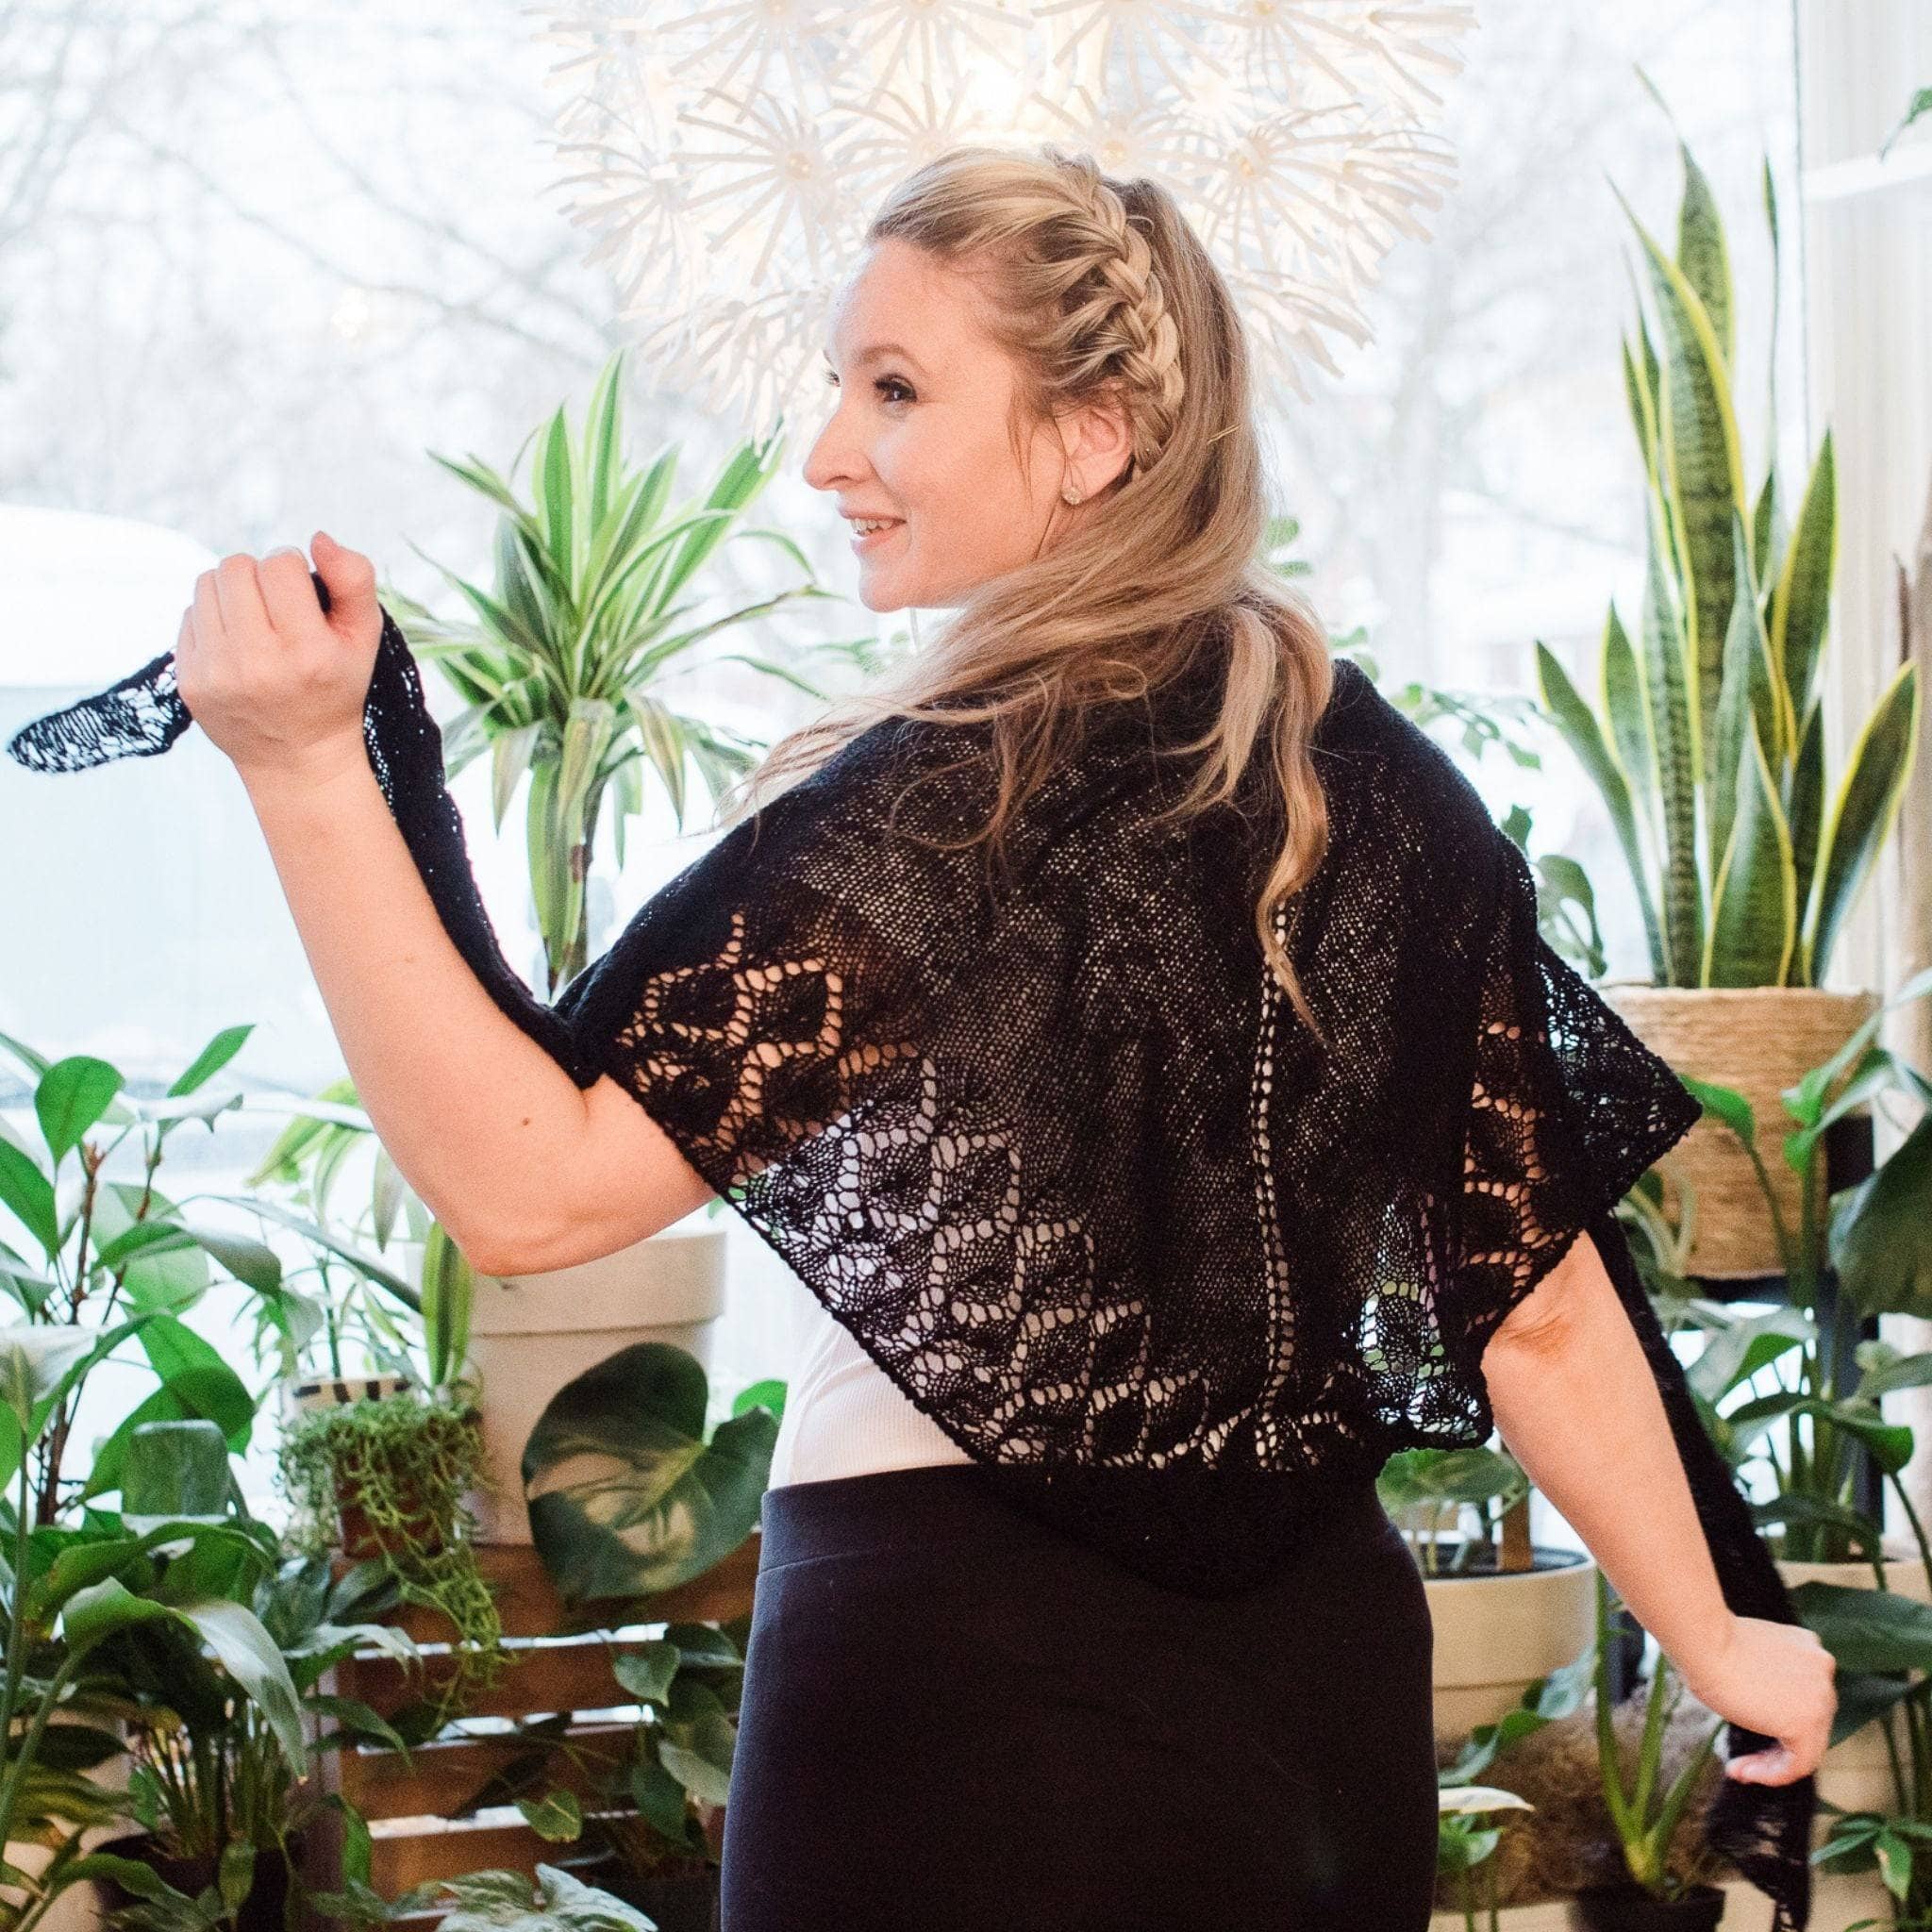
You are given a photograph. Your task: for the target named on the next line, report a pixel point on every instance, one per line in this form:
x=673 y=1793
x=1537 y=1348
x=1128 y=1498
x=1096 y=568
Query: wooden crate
x=561 y=1669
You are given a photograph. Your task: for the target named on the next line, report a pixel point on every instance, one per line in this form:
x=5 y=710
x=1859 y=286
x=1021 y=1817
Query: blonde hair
x=1101 y=292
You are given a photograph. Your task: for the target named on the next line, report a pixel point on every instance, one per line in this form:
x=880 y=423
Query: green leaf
x=244 y=1648
x=1703 y=255
x=1881 y=1232
x=35 y=1360
x=626 y=1496
x=1672 y=722
x=174 y=1472
x=647 y=1673
x=557 y=1819
x=29 y=1194
x=73 y=1094
x=1703 y=473
x=1753 y=919
x=212 y=1058
x=1801 y=600
x=1862 y=813
x=1581 y=732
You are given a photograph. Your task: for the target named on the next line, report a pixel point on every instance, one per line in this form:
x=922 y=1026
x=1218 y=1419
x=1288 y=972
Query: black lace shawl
x=1060 y=1154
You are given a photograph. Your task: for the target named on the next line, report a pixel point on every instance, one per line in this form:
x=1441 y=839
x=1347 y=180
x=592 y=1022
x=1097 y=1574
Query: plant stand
x=561 y=1669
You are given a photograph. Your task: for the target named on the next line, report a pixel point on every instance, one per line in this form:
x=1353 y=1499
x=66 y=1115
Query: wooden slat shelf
x=407 y=1800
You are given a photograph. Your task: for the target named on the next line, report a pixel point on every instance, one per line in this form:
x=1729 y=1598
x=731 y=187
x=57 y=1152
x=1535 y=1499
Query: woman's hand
x=277 y=684
x=1775 y=1678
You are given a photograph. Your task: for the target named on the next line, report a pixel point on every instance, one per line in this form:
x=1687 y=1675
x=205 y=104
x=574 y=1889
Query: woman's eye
x=890 y=386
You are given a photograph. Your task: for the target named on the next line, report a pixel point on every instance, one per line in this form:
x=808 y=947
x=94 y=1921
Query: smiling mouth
x=872 y=539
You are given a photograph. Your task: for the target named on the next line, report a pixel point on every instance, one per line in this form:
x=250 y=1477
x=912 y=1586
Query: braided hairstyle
x=1100 y=293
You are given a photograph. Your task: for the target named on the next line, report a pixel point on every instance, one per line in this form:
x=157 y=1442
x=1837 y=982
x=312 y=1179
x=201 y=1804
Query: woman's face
x=918 y=436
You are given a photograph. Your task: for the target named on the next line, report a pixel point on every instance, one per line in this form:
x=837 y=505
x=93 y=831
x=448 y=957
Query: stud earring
x=1070 y=492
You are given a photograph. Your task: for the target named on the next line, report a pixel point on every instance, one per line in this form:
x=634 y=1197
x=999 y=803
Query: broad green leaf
x=71 y=1097
x=1867 y=1629
x=556 y=1817
x=626 y=1496
x=35 y=1359
x=29 y=1194
x=647 y=1673
x=1881 y=1232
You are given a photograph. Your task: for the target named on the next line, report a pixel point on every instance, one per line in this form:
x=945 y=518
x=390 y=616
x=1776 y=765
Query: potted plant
x=565 y=672
x=1823 y=1403
x=120 y=1270
x=72 y=1624
x=224 y=1804
x=490 y=1901
x=1646 y=1814
x=389 y=1480
x=1465 y=1838
x=655 y=1833
x=1504 y=1613
x=1708 y=742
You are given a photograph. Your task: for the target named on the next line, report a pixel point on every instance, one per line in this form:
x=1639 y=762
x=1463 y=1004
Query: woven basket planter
x=1757 y=1040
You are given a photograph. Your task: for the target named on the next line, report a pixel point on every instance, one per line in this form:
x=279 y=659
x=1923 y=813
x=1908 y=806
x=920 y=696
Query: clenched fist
x=278 y=685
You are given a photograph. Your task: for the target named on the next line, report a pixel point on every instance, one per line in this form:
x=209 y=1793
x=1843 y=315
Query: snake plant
x=1706 y=740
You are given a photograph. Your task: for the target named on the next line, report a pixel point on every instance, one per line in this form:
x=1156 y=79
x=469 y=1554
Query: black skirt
x=957 y=1718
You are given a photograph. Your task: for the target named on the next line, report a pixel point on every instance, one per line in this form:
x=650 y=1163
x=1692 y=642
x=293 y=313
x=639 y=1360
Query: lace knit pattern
x=1063 y=1159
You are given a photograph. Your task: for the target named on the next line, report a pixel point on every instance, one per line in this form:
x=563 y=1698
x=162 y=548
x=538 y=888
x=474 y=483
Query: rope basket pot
x=1757 y=1040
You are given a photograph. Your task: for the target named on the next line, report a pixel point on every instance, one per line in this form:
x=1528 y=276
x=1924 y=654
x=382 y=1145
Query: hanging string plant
x=389 y=1479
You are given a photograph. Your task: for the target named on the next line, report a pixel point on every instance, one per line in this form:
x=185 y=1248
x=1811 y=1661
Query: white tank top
x=845 y=1416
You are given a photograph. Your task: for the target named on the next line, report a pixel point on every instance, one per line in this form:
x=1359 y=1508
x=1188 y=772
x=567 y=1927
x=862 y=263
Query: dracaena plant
x=565 y=669
x=1706 y=739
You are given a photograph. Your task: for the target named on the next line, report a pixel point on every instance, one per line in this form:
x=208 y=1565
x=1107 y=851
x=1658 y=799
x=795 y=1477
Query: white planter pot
x=1495 y=1634
x=1858 y=1773
x=77 y=1909
x=530 y=1334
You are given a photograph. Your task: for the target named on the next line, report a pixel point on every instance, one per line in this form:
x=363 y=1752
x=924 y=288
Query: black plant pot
x=1630 y=1908
x=261 y=1910
x=678 y=1900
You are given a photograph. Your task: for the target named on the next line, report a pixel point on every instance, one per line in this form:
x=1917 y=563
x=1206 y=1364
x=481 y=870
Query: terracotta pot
x=358 y=1542
x=261 y=1910
x=530 y=1334
x=1756 y=1041
x=1630 y=1908
x=1494 y=1634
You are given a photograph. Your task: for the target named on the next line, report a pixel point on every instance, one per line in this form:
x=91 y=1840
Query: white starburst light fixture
x=732 y=153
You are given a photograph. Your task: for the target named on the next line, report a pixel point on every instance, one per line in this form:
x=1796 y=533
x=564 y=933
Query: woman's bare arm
x=523 y=1168
x=1578 y=1406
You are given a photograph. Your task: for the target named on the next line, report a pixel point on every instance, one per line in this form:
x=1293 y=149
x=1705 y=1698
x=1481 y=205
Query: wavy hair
x=1100 y=292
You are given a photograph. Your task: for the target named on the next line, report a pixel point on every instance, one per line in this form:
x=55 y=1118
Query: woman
x=1048 y=1630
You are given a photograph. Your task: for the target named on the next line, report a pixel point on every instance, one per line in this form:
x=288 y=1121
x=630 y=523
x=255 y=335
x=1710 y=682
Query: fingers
x=238 y=592
x=286 y=590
